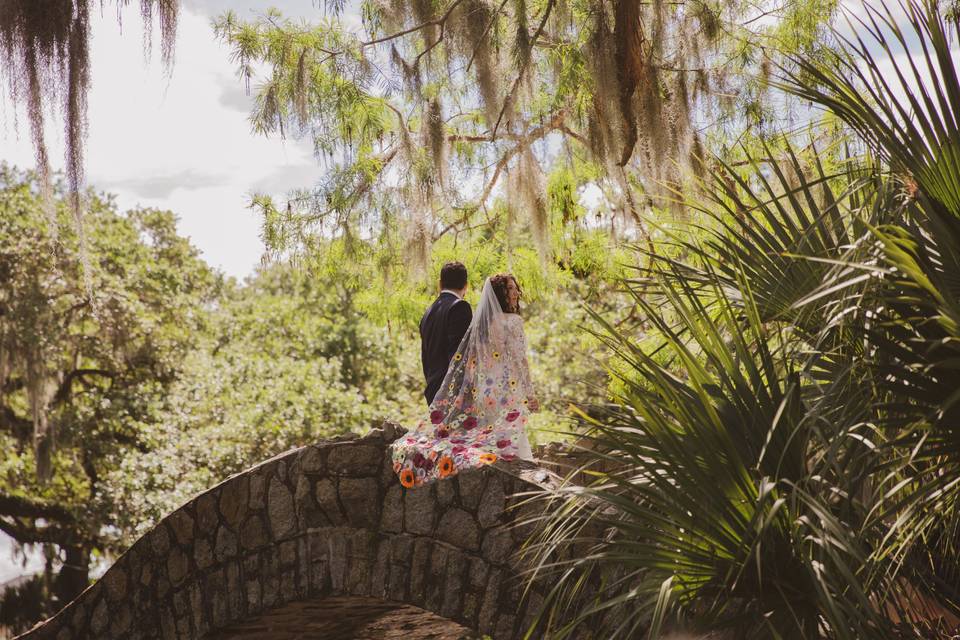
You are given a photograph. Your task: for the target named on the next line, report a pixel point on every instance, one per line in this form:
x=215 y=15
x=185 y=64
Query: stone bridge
x=322 y=542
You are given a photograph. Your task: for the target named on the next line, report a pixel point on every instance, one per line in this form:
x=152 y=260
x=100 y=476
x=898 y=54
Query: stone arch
x=326 y=520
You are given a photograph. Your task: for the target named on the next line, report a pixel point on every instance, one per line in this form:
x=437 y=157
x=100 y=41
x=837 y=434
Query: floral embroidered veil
x=479 y=413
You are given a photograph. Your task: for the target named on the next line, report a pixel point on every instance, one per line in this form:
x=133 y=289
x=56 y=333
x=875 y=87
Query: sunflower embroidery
x=488 y=458
x=446 y=467
x=407 y=478
x=513 y=384
x=458 y=357
x=496 y=355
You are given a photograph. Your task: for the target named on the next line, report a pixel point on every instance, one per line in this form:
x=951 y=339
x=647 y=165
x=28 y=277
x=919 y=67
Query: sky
x=180 y=141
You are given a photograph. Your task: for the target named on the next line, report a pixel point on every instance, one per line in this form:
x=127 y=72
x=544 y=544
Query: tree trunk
x=74 y=575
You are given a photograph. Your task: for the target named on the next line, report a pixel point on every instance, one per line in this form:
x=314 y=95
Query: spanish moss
x=470 y=98
x=45 y=53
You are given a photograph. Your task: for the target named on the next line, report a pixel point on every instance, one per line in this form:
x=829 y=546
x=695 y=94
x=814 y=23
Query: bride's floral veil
x=478 y=414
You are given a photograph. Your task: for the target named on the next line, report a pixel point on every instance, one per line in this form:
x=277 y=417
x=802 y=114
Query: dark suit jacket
x=441 y=330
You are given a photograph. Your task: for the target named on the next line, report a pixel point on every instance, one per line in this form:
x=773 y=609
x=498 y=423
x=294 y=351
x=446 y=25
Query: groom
x=443 y=325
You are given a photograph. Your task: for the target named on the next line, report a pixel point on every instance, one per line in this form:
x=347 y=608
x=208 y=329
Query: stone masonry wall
x=326 y=519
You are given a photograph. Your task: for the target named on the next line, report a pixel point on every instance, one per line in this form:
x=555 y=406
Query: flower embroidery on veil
x=480 y=413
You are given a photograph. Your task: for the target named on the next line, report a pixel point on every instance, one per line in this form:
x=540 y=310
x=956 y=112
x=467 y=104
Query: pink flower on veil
x=470 y=422
x=419 y=460
x=436 y=416
x=513 y=415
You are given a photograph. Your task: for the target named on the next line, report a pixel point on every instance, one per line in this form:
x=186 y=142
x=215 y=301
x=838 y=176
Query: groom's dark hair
x=453 y=276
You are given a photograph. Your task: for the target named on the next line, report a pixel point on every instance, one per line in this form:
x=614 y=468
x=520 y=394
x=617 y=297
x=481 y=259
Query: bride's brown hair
x=499 y=284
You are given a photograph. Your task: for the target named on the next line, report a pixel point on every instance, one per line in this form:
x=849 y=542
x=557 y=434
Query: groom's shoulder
x=460 y=307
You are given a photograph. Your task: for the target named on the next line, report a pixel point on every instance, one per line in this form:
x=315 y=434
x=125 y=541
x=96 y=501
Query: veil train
x=479 y=414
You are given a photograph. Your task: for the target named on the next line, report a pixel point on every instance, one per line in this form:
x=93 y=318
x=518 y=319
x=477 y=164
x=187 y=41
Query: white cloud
x=181 y=142
x=158 y=187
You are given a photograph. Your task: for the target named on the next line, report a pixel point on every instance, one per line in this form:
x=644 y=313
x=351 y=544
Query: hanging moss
x=531 y=193
x=434 y=140
x=630 y=63
x=474 y=29
x=423 y=12
x=45 y=54
x=622 y=85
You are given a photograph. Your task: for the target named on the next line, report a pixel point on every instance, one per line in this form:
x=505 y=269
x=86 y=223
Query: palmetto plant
x=788 y=456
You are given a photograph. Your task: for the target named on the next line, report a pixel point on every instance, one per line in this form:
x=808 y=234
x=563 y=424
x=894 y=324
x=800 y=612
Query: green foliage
x=567 y=364
x=288 y=360
x=781 y=449
x=391 y=292
x=22 y=605
x=470 y=119
x=714 y=507
x=90 y=341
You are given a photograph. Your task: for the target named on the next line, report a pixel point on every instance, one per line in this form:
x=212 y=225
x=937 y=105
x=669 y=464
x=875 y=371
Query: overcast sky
x=181 y=142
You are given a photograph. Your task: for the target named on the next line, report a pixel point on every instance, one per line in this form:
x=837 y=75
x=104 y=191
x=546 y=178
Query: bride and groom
x=478 y=382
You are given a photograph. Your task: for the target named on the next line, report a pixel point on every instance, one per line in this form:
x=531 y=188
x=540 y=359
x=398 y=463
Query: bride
x=479 y=414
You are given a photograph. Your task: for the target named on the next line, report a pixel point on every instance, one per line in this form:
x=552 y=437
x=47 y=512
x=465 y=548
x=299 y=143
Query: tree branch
x=483 y=35
x=430 y=23
x=556 y=122
x=20 y=427
x=516 y=83
x=12 y=384
x=63 y=392
x=28 y=534
x=21 y=507
x=573 y=134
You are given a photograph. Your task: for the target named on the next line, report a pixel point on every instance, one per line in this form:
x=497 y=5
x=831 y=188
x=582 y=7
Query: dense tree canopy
x=438 y=107
x=286 y=360
x=81 y=370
